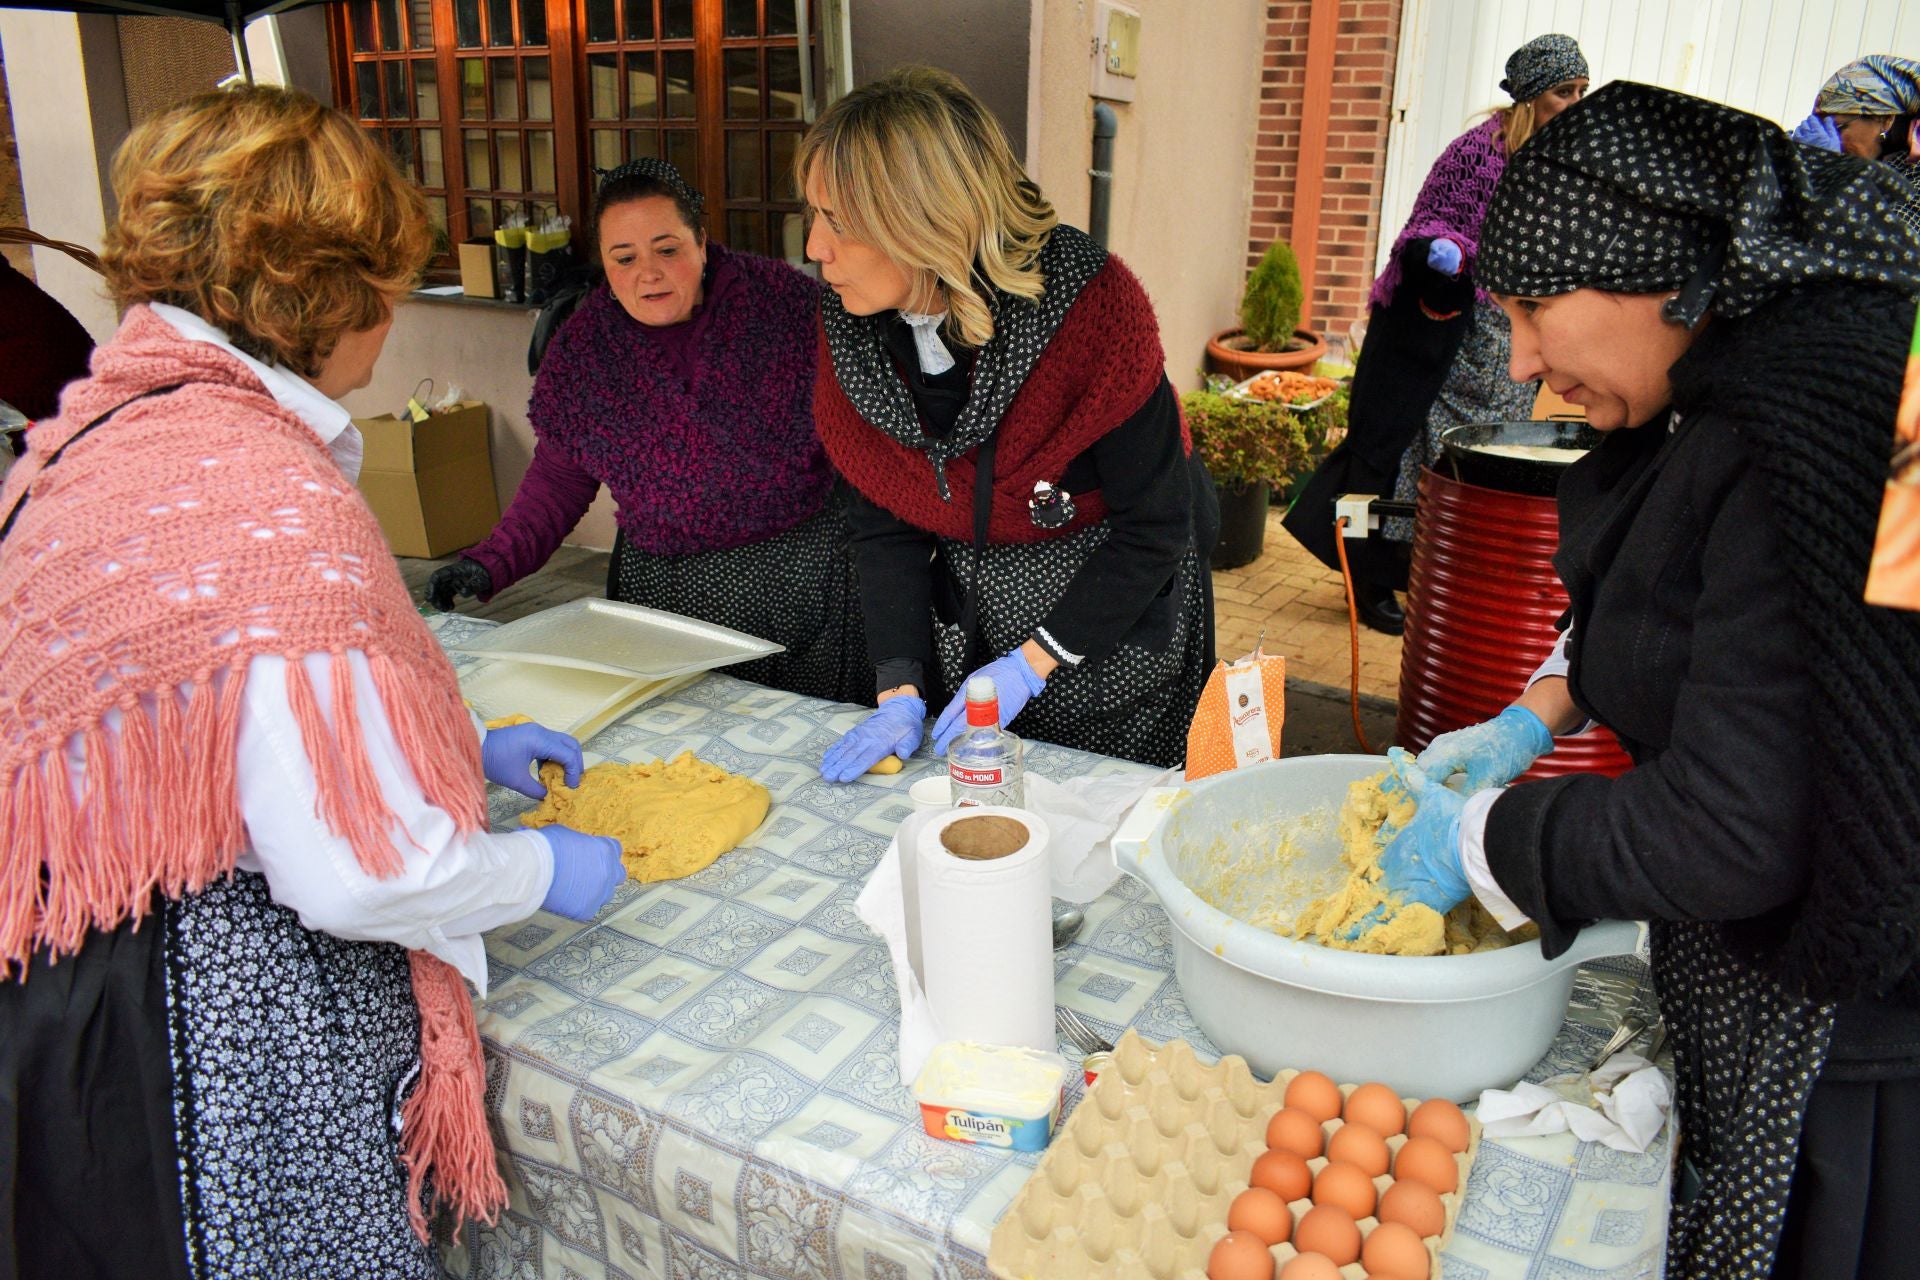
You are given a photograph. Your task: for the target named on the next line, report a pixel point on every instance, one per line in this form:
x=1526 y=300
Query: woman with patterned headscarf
x=1733 y=310
x=683 y=382
x=1871 y=108
x=1436 y=349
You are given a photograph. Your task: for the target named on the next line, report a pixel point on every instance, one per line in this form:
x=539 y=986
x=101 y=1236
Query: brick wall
x=1364 y=51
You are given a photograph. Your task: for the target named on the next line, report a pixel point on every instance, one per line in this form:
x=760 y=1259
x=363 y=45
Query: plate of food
x=1293 y=389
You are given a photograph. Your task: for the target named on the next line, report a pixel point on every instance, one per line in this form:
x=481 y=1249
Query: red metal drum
x=1481 y=603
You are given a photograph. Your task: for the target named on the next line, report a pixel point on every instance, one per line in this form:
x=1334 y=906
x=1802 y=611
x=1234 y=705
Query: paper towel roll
x=985 y=925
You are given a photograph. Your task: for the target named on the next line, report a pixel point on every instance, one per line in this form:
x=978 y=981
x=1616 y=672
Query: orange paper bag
x=1238 y=720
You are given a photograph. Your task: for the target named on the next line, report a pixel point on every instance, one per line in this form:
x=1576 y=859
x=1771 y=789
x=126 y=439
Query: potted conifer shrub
x=1252 y=448
x=1269 y=335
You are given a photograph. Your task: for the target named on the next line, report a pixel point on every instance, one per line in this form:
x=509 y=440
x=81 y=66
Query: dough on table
x=671 y=818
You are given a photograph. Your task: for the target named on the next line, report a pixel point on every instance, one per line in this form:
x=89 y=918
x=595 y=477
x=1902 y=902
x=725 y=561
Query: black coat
x=1716 y=624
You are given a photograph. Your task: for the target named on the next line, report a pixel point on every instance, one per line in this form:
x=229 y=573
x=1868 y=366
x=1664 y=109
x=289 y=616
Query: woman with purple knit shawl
x=1436 y=349
x=684 y=383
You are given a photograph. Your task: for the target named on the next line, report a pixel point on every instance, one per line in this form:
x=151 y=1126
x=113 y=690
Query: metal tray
x=618 y=640
x=1239 y=392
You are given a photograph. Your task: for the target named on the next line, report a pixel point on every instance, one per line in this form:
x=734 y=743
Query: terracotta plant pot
x=1241 y=365
x=1243 y=525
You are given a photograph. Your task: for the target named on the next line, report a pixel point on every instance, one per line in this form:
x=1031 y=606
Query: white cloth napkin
x=1622 y=1103
x=1081 y=815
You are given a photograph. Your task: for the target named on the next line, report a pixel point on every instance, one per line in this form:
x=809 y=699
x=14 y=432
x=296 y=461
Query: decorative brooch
x=1050 y=508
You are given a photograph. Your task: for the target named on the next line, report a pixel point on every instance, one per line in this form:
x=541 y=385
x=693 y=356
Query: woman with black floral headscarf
x=1733 y=309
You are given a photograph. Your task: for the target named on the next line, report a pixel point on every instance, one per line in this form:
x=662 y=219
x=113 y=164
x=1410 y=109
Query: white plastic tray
x=617 y=639
x=571 y=699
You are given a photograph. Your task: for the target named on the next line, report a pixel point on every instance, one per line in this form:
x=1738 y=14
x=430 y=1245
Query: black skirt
x=1855 y=1198
x=797 y=589
x=89 y=1174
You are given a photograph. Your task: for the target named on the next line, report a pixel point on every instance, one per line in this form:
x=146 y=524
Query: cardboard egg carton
x=1137 y=1184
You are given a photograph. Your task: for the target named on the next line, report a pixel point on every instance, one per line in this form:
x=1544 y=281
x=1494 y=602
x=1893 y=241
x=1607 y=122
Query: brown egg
x=1283 y=1173
x=1392 y=1249
x=1292 y=1129
x=1424 y=1160
x=1310 y=1266
x=1345 y=1186
x=1261 y=1212
x=1239 y=1255
x=1440 y=1120
x=1314 y=1094
x=1377 y=1107
x=1325 y=1229
x=1359 y=1144
x=1416 y=1205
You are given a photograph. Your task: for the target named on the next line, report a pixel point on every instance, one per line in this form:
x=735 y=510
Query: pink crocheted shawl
x=1452 y=202
x=187 y=534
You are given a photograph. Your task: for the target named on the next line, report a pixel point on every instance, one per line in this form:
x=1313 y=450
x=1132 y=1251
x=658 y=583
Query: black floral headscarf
x=1639 y=189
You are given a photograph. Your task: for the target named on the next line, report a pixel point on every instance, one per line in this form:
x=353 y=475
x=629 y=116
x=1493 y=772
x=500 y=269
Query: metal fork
x=1075 y=1028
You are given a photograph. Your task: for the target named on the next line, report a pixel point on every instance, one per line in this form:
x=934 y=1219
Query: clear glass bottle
x=983 y=763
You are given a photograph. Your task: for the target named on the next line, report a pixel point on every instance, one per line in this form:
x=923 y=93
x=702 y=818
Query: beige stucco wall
x=69 y=113
x=482 y=349
x=1183 y=160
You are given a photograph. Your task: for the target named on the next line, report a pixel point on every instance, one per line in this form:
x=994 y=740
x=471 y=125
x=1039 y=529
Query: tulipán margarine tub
x=993 y=1095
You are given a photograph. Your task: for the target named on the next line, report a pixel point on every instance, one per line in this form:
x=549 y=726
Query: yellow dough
x=671 y=819
x=887 y=764
x=1410 y=929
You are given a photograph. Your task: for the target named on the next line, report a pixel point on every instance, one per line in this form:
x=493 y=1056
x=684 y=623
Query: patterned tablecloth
x=703 y=1083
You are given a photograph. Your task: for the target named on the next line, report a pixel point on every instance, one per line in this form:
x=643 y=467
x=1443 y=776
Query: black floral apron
x=1746 y=1055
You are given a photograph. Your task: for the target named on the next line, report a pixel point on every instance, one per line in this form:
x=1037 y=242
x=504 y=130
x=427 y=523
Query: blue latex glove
x=586 y=871
x=1443 y=255
x=1421 y=861
x=1491 y=753
x=1818 y=131
x=1013 y=678
x=894 y=729
x=509 y=755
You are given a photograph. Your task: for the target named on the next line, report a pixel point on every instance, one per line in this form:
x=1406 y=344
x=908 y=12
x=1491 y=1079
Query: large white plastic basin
x=1429 y=1026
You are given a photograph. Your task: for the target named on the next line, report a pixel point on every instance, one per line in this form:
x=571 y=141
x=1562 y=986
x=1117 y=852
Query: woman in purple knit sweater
x=684 y=383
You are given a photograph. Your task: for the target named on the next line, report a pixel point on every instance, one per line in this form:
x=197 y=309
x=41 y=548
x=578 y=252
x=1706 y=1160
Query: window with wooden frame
x=496 y=106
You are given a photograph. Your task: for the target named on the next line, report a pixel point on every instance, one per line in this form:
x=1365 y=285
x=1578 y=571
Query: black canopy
x=232 y=14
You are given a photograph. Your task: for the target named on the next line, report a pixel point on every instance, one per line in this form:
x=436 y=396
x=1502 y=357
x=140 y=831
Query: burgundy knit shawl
x=727 y=459
x=1100 y=366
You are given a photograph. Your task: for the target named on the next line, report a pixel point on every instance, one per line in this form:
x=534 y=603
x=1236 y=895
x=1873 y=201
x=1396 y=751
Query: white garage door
x=1765 y=56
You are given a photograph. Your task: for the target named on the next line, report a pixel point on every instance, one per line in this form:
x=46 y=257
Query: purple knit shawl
x=1452 y=201
x=728 y=460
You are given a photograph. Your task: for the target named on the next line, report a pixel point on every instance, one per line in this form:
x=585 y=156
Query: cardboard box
x=476 y=269
x=430 y=483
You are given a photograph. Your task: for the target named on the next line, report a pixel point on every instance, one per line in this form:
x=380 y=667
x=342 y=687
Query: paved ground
x=1286 y=595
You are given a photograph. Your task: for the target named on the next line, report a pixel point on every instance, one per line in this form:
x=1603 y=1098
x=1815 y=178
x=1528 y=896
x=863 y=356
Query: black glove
x=463 y=577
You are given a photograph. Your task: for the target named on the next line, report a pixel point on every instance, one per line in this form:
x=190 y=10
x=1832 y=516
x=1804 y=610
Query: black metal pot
x=1243 y=526
x=1465 y=456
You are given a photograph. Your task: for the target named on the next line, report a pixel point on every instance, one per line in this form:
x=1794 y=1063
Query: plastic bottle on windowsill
x=984 y=762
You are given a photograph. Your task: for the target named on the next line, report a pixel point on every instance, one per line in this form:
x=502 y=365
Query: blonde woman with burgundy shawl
x=246 y=863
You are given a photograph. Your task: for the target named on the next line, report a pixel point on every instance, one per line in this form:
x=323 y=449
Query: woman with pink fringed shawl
x=246 y=865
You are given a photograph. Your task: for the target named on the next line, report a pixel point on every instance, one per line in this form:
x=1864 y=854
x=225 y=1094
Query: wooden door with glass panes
x=714 y=88
x=503 y=106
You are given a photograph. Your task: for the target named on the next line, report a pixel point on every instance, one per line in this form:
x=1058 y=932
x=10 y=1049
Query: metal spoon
x=1066 y=926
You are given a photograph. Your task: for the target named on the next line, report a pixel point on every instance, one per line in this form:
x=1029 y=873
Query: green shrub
x=1246 y=441
x=1270 y=311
